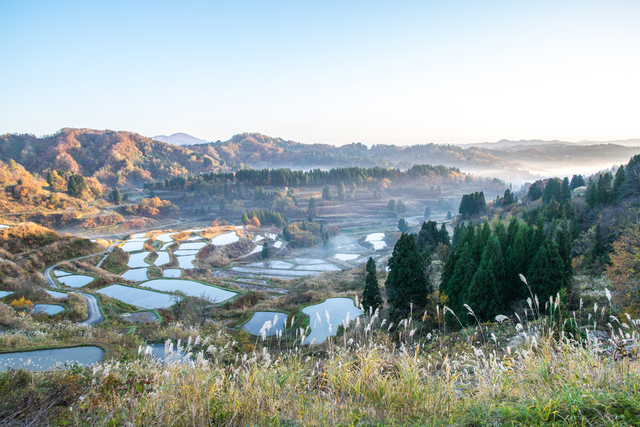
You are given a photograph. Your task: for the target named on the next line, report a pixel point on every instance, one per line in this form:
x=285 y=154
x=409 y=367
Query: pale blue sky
x=336 y=72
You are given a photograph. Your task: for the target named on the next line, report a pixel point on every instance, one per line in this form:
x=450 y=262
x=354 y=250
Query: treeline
x=607 y=190
x=295 y=178
x=472 y=204
x=483 y=268
x=265 y=217
x=153 y=207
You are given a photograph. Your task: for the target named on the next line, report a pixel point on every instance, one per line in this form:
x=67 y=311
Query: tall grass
x=538 y=370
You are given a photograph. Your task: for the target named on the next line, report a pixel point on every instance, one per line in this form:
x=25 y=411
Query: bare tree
x=197 y=310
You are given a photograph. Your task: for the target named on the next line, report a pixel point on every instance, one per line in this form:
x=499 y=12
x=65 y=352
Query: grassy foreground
x=362 y=378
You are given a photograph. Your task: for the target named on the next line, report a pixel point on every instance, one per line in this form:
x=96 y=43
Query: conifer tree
x=565 y=192
x=463 y=272
x=546 y=273
x=552 y=190
x=371 y=295
x=265 y=250
x=245 y=219
x=341 y=190
x=444 y=235
x=577 y=181
x=480 y=241
x=590 y=194
x=403 y=225
x=406 y=282
x=564 y=242
x=485 y=292
x=618 y=183
x=326 y=192
x=512 y=230
x=518 y=264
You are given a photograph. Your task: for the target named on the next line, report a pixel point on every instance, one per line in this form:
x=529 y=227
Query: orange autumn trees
x=624 y=270
x=153 y=207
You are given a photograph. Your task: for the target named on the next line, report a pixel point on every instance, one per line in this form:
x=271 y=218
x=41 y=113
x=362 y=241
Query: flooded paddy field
x=46 y=360
x=139 y=297
x=49 y=309
x=190 y=288
x=272 y=322
x=172 y=273
x=55 y=294
x=163 y=258
x=326 y=317
x=136 y=275
x=137 y=260
x=75 y=280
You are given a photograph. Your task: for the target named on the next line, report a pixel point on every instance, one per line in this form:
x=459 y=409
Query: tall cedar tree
x=577 y=181
x=485 y=292
x=546 y=273
x=406 y=282
x=371 y=295
x=616 y=192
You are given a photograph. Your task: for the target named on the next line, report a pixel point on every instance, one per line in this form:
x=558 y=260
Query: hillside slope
x=111 y=157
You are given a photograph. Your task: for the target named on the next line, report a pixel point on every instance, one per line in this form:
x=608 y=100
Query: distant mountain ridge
x=179 y=138
x=508 y=145
x=119 y=158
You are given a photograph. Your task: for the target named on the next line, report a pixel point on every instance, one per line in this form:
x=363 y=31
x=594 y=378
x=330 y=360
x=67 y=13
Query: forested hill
x=260 y=151
x=118 y=158
x=111 y=157
x=263 y=151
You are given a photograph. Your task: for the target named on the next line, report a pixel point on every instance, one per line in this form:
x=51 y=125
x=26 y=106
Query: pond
x=133 y=245
x=338 y=308
x=190 y=288
x=137 y=260
x=186 y=261
x=163 y=258
x=192 y=246
x=277 y=245
x=5 y=293
x=58 y=295
x=75 y=281
x=257 y=322
x=257 y=238
x=49 y=309
x=272 y=236
x=194 y=238
x=172 y=272
x=138 y=235
x=165 y=246
x=136 y=275
x=376 y=240
x=46 y=360
x=225 y=239
x=346 y=257
x=138 y=297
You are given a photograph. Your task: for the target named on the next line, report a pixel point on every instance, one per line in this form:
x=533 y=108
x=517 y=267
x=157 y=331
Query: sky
x=398 y=72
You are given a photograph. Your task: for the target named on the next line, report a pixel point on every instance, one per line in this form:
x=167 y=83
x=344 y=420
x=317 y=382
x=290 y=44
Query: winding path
x=93 y=310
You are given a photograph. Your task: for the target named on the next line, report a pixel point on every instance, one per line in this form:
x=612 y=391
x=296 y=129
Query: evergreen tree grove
x=483 y=268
